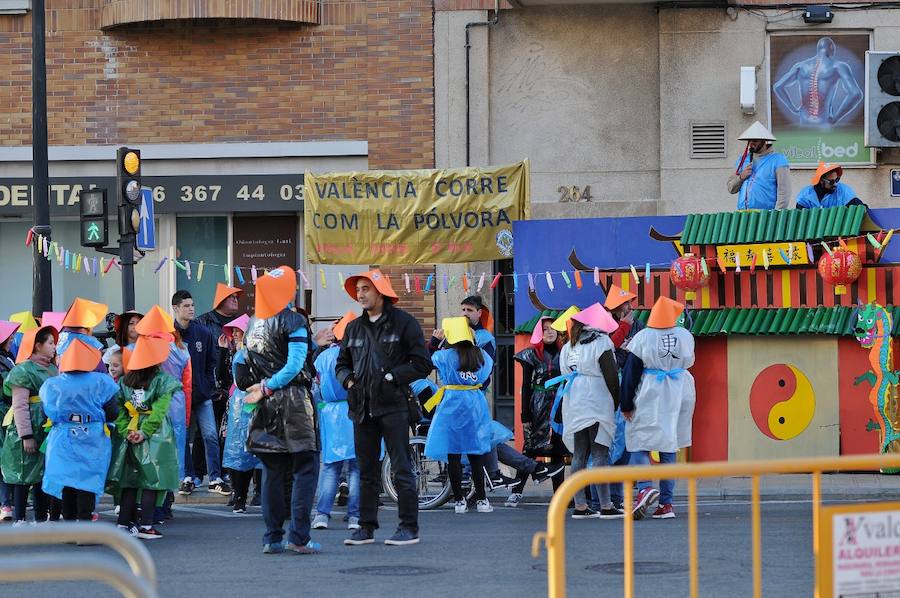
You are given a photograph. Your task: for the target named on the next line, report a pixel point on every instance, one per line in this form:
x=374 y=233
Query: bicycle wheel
x=432 y=481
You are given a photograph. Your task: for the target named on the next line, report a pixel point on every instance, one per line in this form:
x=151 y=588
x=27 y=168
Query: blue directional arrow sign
x=146 y=235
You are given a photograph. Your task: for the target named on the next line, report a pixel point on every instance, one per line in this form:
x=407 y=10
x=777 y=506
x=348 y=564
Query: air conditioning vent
x=708 y=140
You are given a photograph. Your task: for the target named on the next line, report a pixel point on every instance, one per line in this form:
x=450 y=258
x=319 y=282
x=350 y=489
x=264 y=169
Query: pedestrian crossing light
x=128 y=179
x=93 y=211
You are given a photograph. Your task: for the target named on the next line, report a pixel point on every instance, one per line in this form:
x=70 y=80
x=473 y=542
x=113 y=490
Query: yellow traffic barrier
x=554 y=539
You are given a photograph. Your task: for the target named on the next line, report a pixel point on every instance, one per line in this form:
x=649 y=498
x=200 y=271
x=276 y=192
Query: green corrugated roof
x=773 y=321
x=528 y=327
x=771 y=226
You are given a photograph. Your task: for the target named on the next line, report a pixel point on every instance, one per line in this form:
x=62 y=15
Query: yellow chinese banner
x=414 y=216
x=775 y=253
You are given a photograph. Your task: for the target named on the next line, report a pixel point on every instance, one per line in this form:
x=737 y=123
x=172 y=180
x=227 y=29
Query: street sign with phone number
x=171 y=194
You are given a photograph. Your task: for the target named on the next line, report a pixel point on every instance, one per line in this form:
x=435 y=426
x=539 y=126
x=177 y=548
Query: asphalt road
x=208 y=551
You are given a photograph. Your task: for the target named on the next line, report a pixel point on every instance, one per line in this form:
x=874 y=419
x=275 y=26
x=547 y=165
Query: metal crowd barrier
x=136 y=580
x=554 y=539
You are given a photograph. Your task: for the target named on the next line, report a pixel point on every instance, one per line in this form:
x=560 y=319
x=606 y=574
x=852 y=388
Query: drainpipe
x=489 y=23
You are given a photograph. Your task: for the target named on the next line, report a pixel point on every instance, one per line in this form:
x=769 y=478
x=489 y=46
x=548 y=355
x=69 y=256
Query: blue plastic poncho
x=841 y=196
x=235 y=455
x=78 y=447
x=335 y=424
x=462 y=420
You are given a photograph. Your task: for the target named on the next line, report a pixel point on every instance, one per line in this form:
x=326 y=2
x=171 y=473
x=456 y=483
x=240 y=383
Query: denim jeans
x=330 y=478
x=666 y=487
x=586 y=448
x=202 y=415
x=508 y=456
x=278 y=469
x=616 y=491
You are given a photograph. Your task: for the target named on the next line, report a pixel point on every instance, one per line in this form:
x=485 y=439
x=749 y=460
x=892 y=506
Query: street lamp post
x=42 y=288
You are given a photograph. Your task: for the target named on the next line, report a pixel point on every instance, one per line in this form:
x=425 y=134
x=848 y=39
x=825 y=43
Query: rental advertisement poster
x=414 y=216
x=817 y=97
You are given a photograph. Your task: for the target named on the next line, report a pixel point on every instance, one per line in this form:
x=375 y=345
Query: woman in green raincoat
x=145 y=457
x=21 y=461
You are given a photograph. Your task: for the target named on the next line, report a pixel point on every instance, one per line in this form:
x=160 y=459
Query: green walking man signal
x=93 y=210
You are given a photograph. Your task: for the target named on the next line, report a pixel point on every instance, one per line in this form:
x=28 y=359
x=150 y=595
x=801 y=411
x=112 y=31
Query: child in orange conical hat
x=79 y=402
x=658 y=398
x=21 y=461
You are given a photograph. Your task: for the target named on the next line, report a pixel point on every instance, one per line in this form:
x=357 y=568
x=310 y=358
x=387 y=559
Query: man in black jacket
x=383 y=352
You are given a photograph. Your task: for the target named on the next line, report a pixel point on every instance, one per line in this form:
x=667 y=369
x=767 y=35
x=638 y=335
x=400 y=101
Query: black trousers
x=128 y=507
x=77 y=505
x=455 y=471
x=240 y=481
x=20 y=500
x=393 y=428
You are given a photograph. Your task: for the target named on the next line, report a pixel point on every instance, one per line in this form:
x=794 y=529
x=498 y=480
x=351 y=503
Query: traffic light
x=92 y=209
x=128 y=182
x=882 y=99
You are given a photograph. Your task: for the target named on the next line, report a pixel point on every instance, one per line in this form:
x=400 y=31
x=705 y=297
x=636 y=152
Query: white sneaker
x=484 y=506
x=20 y=523
x=6 y=513
x=514 y=499
x=320 y=522
x=131 y=530
x=353 y=523
x=461 y=507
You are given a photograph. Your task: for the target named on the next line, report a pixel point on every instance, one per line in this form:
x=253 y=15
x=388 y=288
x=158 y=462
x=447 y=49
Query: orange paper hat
x=274 y=291
x=85 y=314
x=824 y=169
x=665 y=313
x=341 y=327
x=378 y=279
x=26 y=348
x=7 y=329
x=537 y=335
x=616 y=296
x=79 y=357
x=223 y=291
x=25 y=319
x=239 y=322
x=596 y=316
x=156 y=320
x=53 y=318
x=148 y=351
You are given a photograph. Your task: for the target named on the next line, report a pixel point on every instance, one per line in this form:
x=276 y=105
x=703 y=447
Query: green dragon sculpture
x=873 y=331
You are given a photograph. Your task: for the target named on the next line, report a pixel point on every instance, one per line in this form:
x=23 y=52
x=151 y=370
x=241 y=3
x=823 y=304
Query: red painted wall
x=710 y=371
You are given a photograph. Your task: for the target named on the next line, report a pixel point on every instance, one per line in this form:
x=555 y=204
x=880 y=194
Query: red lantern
x=688 y=274
x=840 y=268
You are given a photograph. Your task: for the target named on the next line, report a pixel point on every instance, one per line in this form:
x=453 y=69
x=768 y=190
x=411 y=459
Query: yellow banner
x=795 y=252
x=414 y=216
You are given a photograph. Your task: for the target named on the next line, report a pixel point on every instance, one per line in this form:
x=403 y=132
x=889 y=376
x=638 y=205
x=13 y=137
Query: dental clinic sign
x=859 y=550
x=817 y=98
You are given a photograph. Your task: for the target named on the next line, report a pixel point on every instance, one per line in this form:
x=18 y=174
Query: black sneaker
x=148 y=533
x=402 y=537
x=239 y=507
x=585 y=513
x=255 y=501
x=612 y=513
x=544 y=473
x=187 y=487
x=231 y=500
x=620 y=505
x=220 y=487
x=498 y=480
x=361 y=536
x=343 y=494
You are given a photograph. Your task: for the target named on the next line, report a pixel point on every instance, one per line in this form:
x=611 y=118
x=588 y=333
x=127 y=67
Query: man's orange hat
x=824 y=169
x=156 y=320
x=341 y=327
x=665 y=313
x=378 y=279
x=148 y=351
x=274 y=291
x=85 y=314
x=223 y=292
x=26 y=348
x=79 y=357
x=616 y=296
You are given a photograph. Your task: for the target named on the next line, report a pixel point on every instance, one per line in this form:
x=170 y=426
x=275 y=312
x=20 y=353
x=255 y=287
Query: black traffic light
x=128 y=183
x=93 y=211
x=882 y=99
